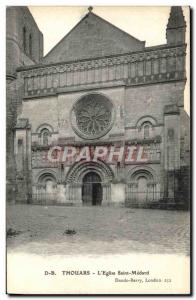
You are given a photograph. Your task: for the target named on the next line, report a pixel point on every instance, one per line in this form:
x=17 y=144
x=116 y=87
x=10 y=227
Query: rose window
x=93 y=116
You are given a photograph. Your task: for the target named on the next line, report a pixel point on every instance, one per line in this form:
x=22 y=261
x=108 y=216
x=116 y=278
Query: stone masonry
x=99 y=86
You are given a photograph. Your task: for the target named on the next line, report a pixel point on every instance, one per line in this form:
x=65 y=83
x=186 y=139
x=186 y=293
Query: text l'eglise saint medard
x=108 y=274
x=99 y=272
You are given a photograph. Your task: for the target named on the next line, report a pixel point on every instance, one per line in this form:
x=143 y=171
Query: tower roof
x=176 y=18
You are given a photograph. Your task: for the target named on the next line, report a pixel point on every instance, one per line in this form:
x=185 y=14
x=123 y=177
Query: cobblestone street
x=98 y=230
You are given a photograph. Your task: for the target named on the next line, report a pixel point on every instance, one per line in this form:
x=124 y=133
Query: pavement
x=61 y=230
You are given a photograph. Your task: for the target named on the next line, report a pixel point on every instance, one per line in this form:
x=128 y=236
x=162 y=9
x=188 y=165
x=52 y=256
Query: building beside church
x=99 y=92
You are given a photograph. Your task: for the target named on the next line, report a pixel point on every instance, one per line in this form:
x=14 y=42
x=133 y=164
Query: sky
x=147 y=23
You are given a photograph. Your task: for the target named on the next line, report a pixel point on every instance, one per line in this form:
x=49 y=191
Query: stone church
x=98 y=91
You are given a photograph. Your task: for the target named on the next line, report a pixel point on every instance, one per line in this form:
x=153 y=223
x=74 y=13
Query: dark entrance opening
x=92 y=189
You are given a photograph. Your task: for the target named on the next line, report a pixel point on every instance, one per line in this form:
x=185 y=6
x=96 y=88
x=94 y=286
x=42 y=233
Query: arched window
x=45 y=135
x=24 y=40
x=146 y=131
x=30 y=44
x=147 y=126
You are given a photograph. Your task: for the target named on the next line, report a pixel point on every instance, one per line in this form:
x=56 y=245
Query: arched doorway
x=92 y=191
x=77 y=179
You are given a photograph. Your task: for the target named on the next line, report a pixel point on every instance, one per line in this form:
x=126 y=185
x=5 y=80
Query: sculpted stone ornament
x=92 y=116
x=90 y=8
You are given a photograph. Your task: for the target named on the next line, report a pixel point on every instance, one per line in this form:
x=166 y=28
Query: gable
x=93 y=37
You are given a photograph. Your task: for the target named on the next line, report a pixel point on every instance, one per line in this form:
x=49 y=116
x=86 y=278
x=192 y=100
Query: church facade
x=100 y=119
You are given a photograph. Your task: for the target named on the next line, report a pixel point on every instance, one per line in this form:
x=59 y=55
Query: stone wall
x=17 y=18
x=55 y=107
x=17 y=54
x=142 y=87
x=92 y=37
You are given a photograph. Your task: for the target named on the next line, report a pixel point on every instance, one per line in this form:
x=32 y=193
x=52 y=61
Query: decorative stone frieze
x=152 y=65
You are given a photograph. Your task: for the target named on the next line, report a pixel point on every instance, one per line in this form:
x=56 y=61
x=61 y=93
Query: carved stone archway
x=142 y=186
x=75 y=176
x=45 y=188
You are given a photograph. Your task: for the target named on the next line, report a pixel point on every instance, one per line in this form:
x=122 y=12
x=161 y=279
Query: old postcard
x=98 y=150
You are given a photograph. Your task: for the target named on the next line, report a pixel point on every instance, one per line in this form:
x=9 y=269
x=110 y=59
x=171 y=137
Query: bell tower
x=176 y=26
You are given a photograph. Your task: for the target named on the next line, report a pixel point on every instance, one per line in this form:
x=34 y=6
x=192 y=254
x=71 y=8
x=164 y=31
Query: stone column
x=71 y=192
x=77 y=193
x=172 y=148
x=135 y=193
x=150 y=192
x=108 y=193
x=104 y=200
x=128 y=193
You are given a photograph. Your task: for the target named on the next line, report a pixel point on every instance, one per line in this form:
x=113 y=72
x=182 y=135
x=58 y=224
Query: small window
x=20 y=142
x=45 y=137
x=24 y=40
x=146 y=130
x=30 y=44
x=170 y=134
